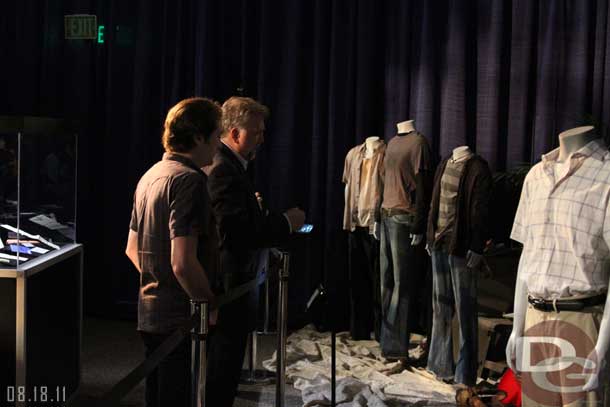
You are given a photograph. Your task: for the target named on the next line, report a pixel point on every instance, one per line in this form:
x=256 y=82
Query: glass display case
x=40 y=261
x=38 y=159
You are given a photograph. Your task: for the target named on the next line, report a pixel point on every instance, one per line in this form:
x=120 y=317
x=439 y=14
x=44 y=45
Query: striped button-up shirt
x=564 y=225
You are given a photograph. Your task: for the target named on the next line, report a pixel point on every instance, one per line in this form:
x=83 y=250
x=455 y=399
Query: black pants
x=227 y=347
x=364 y=287
x=169 y=384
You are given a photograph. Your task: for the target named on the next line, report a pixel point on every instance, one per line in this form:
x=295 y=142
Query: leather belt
x=395 y=211
x=565 y=305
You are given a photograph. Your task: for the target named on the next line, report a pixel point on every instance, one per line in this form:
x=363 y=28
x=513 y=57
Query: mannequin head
x=406 y=127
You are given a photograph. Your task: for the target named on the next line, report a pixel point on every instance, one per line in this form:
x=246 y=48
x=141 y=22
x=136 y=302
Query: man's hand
x=296 y=217
x=259 y=199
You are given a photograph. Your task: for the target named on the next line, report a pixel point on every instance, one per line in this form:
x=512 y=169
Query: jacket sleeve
x=479 y=208
x=240 y=223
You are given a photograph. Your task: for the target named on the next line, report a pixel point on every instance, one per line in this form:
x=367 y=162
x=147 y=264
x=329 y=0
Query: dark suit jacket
x=243 y=228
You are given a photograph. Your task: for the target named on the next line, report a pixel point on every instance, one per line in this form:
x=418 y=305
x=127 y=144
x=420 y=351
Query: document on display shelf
x=36 y=237
x=1 y=244
x=47 y=222
x=39 y=250
x=9 y=257
x=20 y=249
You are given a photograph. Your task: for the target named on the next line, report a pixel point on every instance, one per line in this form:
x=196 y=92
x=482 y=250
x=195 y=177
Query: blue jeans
x=398 y=268
x=454 y=286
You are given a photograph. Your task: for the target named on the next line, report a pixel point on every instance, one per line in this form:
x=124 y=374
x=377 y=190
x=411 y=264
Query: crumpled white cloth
x=364 y=377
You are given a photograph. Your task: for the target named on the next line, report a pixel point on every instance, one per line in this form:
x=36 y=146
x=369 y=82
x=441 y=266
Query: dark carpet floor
x=111 y=349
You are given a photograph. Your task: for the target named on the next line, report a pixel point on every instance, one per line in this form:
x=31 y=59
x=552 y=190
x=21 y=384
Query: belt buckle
x=537 y=302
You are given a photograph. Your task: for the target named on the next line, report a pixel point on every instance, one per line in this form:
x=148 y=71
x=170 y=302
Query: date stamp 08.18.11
x=34 y=396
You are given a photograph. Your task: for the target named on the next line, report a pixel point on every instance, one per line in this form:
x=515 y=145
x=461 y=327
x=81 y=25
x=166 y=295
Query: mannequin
x=474 y=259
x=580 y=152
x=405 y=128
x=457 y=232
x=363 y=178
x=407 y=184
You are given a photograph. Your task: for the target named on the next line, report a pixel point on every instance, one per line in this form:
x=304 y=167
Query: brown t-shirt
x=406 y=155
x=170 y=201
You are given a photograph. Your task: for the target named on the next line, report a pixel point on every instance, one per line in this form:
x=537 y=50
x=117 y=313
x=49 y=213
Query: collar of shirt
x=462 y=158
x=594 y=149
x=241 y=159
x=376 y=147
x=183 y=160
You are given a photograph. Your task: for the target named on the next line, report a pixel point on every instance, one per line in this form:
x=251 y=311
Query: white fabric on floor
x=364 y=377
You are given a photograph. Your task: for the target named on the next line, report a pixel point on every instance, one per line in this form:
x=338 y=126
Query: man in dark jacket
x=244 y=229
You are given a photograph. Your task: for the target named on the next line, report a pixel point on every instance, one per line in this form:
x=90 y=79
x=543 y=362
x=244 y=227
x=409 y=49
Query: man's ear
x=234 y=134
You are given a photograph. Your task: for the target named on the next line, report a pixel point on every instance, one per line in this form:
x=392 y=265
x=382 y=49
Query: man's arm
x=132 y=249
x=188 y=270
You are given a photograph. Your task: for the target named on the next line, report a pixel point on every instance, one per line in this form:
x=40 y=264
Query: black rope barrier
x=145 y=368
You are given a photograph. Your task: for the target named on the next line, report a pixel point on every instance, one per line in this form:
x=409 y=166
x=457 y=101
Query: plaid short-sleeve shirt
x=564 y=224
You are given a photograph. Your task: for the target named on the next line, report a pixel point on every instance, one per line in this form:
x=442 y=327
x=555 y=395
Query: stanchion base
x=259 y=377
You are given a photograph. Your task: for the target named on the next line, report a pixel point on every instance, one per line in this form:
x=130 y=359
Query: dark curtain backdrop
x=501 y=76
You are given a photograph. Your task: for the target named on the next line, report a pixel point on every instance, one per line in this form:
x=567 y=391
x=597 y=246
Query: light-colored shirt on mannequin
x=577 y=225
x=362 y=175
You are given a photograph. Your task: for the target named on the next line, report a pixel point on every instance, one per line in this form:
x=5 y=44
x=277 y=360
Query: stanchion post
x=267 y=302
x=199 y=335
x=281 y=330
x=195 y=310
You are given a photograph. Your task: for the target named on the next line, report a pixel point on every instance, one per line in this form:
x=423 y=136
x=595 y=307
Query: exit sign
x=80 y=27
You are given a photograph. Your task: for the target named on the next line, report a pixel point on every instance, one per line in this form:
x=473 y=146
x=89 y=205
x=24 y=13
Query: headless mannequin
x=570 y=141
x=461 y=153
x=405 y=128
x=473 y=259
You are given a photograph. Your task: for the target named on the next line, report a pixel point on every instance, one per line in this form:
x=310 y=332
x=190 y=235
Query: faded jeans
x=454 y=287
x=398 y=272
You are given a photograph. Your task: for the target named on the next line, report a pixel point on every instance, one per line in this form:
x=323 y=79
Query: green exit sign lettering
x=80 y=27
